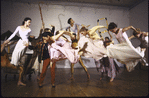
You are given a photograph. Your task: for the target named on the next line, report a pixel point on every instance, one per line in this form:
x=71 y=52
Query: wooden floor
x=133 y=83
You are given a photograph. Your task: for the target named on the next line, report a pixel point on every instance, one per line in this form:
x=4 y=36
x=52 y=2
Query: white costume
x=124 y=52
x=20 y=47
x=74 y=28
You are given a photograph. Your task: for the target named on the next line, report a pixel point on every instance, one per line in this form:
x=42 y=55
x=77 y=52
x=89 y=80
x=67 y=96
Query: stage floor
x=126 y=83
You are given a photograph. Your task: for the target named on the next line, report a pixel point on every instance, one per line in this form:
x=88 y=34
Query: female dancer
x=124 y=52
x=143 y=37
x=19 y=50
x=24 y=32
x=60 y=49
x=108 y=64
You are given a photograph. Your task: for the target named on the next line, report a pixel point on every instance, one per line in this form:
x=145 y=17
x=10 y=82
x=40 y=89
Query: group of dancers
x=55 y=46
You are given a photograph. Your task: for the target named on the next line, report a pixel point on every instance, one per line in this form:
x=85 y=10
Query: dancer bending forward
x=124 y=52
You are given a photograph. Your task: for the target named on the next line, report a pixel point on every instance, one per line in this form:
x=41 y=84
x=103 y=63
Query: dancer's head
x=112 y=27
x=70 y=21
x=48 y=30
x=137 y=34
x=47 y=36
x=83 y=31
x=27 y=21
x=107 y=39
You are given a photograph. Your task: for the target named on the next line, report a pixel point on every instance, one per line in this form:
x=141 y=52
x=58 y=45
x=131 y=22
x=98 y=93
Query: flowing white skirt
x=125 y=53
x=94 y=49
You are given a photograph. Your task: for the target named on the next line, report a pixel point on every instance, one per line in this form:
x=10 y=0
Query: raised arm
x=145 y=33
x=60 y=34
x=129 y=27
x=95 y=28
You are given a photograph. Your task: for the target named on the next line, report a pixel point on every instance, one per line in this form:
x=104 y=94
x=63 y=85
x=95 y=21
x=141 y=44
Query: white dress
x=61 y=49
x=124 y=52
x=19 y=48
x=95 y=48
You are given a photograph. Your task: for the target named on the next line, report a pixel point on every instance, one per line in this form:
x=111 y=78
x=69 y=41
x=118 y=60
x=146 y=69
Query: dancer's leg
x=72 y=71
x=53 y=74
x=44 y=69
x=84 y=67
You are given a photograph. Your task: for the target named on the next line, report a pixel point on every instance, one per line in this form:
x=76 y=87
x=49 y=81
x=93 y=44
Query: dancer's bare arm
x=131 y=37
x=129 y=27
x=60 y=34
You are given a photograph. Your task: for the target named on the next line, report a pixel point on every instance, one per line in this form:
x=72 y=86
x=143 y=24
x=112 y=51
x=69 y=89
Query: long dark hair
x=27 y=18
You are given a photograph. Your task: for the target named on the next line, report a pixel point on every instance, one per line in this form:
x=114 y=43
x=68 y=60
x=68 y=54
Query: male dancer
x=46 y=60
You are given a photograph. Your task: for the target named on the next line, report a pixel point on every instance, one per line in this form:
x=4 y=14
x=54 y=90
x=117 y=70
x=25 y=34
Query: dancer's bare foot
x=20 y=83
x=111 y=79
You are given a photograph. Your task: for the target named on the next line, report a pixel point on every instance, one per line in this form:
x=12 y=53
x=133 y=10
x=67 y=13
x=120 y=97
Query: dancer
x=74 y=45
x=73 y=26
x=46 y=60
x=93 y=45
x=143 y=38
x=51 y=51
x=5 y=63
x=108 y=64
x=74 y=39
x=22 y=44
x=61 y=49
x=124 y=52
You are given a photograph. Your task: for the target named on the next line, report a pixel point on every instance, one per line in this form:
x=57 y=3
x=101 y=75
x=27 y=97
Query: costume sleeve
x=15 y=32
x=95 y=28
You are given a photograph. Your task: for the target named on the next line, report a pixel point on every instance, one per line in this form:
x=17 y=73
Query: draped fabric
x=94 y=49
x=62 y=50
x=125 y=53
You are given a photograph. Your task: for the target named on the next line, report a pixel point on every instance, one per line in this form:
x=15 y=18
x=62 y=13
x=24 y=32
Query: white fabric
x=19 y=48
x=23 y=34
x=94 y=48
x=18 y=52
x=74 y=28
x=125 y=53
x=36 y=65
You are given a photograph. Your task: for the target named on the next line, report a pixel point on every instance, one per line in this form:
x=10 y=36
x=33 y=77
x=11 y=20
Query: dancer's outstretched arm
x=60 y=34
x=129 y=27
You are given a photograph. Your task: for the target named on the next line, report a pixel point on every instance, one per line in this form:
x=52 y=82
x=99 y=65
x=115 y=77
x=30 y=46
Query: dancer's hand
x=25 y=43
x=6 y=42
